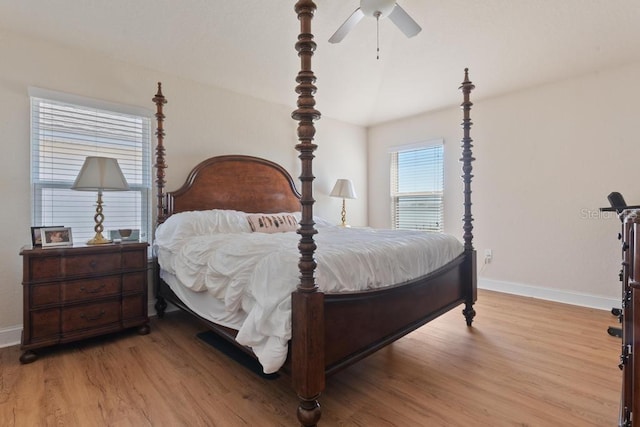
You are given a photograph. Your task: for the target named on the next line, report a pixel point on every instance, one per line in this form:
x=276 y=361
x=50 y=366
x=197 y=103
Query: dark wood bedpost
x=160 y=165
x=467 y=159
x=307 y=319
x=159 y=100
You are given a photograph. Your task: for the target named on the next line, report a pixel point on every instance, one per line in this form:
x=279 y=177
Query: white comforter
x=256 y=272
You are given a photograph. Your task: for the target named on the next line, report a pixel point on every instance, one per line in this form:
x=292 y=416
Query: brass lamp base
x=343 y=215
x=98 y=239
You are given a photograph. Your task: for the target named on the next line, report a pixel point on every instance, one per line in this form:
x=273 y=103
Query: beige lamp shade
x=100 y=174
x=343 y=189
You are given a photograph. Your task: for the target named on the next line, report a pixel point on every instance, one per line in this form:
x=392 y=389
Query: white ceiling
x=248 y=46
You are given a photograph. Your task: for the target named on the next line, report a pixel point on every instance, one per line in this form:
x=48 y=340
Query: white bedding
x=253 y=274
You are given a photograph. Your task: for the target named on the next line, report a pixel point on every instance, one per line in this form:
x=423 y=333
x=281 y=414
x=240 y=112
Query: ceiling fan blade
x=403 y=21
x=348 y=25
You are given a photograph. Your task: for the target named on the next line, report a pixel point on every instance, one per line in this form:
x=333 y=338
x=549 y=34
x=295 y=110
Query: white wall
x=547 y=157
x=201 y=122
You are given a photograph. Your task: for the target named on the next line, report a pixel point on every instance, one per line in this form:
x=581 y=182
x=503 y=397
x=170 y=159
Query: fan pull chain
x=377 y=15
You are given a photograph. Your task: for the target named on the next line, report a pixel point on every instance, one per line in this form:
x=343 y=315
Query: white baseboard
x=567 y=297
x=10 y=336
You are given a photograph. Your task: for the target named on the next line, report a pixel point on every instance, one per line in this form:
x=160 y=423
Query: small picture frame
x=56 y=236
x=36 y=236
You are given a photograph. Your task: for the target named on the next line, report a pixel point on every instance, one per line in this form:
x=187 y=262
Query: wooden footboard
x=358 y=324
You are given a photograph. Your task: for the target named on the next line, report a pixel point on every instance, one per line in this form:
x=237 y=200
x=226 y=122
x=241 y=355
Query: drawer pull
x=93 y=264
x=92 y=318
x=92 y=291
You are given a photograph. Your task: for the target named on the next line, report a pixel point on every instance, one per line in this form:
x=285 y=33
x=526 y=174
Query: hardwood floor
x=525 y=362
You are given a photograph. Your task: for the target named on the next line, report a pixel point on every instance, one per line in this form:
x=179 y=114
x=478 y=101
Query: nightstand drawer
x=45 y=294
x=134 y=307
x=91 y=264
x=133 y=259
x=45 y=324
x=79 y=290
x=90 y=316
x=134 y=282
x=44 y=268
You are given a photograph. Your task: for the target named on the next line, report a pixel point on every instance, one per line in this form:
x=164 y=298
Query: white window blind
x=63 y=134
x=417 y=183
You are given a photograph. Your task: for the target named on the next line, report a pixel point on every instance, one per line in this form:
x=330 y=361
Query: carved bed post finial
x=160 y=165
x=467 y=158
x=307 y=321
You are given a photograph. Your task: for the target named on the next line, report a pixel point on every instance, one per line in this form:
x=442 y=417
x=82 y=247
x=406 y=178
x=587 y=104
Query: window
x=417 y=177
x=65 y=130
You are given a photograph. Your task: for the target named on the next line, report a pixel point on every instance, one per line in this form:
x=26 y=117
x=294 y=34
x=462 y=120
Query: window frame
x=143 y=186
x=396 y=195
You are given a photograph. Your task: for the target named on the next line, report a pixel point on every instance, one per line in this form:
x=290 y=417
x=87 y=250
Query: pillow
x=184 y=225
x=320 y=222
x=272 y=223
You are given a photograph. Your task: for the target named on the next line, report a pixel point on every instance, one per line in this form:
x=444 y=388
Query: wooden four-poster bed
x=329 y=331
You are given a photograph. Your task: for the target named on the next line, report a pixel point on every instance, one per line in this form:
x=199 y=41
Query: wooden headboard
x=242 y=183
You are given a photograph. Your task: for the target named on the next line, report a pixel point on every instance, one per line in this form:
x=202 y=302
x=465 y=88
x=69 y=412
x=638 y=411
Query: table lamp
x=343 y=189
x=100 y=174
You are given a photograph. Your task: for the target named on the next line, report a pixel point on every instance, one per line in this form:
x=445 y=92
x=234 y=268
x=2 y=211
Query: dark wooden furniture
x=630 y=353
x=618 y=205
x=71 y=293
x=329 y=331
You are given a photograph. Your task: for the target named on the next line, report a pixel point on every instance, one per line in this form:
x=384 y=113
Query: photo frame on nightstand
x=56 y=236
x=36 y=237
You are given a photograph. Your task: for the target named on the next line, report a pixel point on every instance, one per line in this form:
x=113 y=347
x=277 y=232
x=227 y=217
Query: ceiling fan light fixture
x=377 y=8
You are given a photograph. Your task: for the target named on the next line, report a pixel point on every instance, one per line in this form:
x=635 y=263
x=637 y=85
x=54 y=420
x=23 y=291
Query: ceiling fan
x=378 y=9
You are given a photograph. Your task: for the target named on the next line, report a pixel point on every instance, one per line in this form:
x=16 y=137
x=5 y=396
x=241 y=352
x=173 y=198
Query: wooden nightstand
x=71 y=293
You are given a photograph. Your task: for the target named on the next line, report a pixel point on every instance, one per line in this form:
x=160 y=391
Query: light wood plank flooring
x=525 y=362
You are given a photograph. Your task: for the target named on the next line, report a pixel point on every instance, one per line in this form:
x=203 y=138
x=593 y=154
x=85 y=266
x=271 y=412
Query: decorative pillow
x=272 y=223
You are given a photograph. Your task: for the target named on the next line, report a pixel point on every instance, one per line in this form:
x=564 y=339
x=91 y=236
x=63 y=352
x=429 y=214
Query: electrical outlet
x=488 y=256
